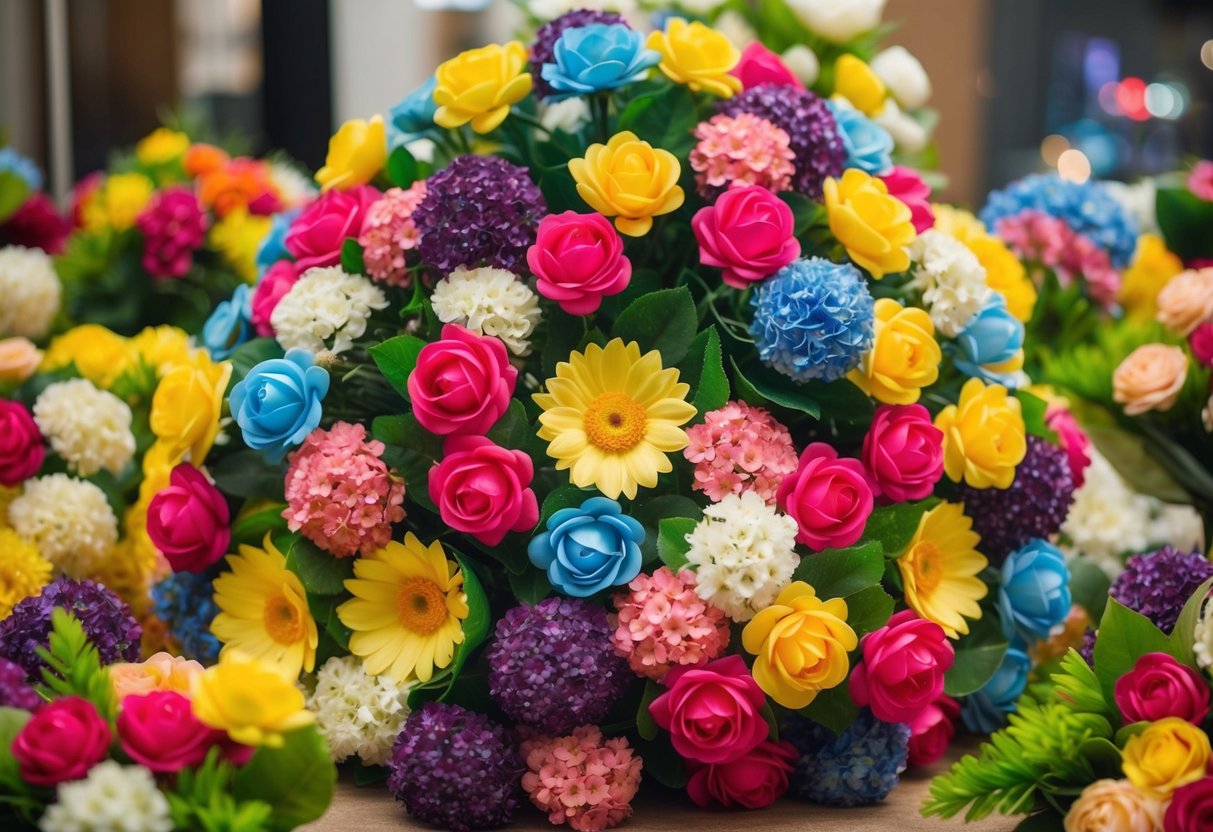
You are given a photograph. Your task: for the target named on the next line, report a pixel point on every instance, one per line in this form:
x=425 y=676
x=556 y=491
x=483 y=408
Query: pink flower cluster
x=388 y=234
x=173 y=227
x=340 y=493
x=1200 y=180
x=742 y=148
x=1053 y=244
x=581 y=779
x=662 y=623
x=740 y=448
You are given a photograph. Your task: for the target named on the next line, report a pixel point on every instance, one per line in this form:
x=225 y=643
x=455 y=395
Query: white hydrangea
x=326 y=309
x=491 y=302
x=359 y=715
x=745 y=552
x=952 y=280
x=1138 y=199
x=904 y=75
x=838 y=20
x=1107 y=518
x=112 y=798
x=1175 y=525
x=69 y=520
x=89 y=428
x=909 y=136
x=30 y=289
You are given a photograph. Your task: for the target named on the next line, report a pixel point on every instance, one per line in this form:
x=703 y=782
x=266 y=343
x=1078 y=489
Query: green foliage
x=1033 y=409
x=979 y=654
x=531 y=587
x=402 y=168
x=1184 y=633
x=256 y=521
x=73 y=665
x=672 y=545
x=646 y=727
x=1185 y=220
x=1076 y=684
x=13 y=192
x=320 y=572
x=201 y=800
x=246 y=473
x=351 y=257
x=561 y=497
x=868 y=609
x=760 y=386
x=894 y=525
x=1089 y=587
x=839 y=573
x=665 y=320
x=663 y=115
x=1124 y=636
x=703 y=370
x=832 y=708
x=251 y=353
x=296 y=779
x=662 y=762
x=16 y=796
x=411 y=450
x=396 y=358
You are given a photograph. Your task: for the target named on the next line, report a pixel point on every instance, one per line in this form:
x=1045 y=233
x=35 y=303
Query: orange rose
x=1187 y=300
x=19 y=359
x=1150 y=378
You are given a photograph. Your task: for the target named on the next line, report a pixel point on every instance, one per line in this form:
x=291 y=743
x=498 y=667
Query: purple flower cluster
x=858 y=767
x=478 y=211
x=456 y=769
x=15 y=690
x=810 y=126
x=553 y=666
x=1158 y=584
x=544 y=47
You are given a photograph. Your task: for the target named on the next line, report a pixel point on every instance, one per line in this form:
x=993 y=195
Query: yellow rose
x=158 y=464
x=357 y=151
x=249 y=700
x=99 y=354
x=117 y=203
x=1113 y=806
x=875 y=228
x=161 y=146
x=480 y=85
x=904 y=357
x=698 y=56
x=628 y=179
x=1152 y=269
x=237 y=237
x=983 y=436
x=1005 y=274
x=1168 y=754
x=162 y=347
x=855 y=81
x=186 y=408
x=957 y=223
x=19 y=359
x=800 y=643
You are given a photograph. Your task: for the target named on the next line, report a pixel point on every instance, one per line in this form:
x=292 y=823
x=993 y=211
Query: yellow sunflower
x=23 y=570
x=407 y=610
x=940 y=566
x=611 y=415
x=264 y=612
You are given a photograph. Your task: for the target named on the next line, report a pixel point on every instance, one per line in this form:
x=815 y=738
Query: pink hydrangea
x=388 y=234
x=581 y=779
x=741 y=148
x=663 y=623
x=1047 y=240
x=340 y=493
x=740 y=448
x=173 y=227
x=1200 y=181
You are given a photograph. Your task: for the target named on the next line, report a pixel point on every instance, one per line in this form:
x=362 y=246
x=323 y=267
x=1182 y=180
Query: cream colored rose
x=838 y=20
x=1150 y=378
x=19 y=359
x=1113 y=806
x=903 y=74
x=1187 y=300
x=803 y=62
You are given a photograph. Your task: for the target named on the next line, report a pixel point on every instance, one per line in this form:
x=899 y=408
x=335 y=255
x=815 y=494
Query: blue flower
x=813 y=319
x=185 y=602
x=230 y=325
x=597 y=57
x=588 y=549
x=986 y=711
x=24 y=169
x=869 y=146
x=1034 y=596
x=858 y=767
x=278 y=403
x=413 y=117
x=993 y=336
x=273 y=244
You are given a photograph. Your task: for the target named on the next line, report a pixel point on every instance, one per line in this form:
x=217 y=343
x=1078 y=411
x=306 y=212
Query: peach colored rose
x=1150 y=378
x=19 y=358
x=160 y=671
x=1187 y=300
x=1113 y=806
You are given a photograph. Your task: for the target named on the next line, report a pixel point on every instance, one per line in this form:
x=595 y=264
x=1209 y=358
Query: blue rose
x=24 y=169
x=869 y=146
x=986 y=711
x=994 y=336
x=588 y=549
x=1034 y=596
x=413 y=116
x=230 y=325
x=278 y=403
x=597 y=57
x=273 y=244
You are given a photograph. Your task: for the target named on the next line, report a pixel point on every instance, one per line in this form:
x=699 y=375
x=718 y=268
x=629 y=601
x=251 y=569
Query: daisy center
x=421 y=605
x=282 y=620
x=615 y=422
x=928 y=566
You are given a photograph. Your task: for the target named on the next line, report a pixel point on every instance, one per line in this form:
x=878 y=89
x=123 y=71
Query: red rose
x=713 y=712
x=754 y=781
x=932 y=730
x=1158 y=686
x=579 y=260
x=483 y=489
x=159 y=730
x=1201 y=342
x=37 y=224
x=1191 y=808
x=749 y=233
x=61 y=741
x=901 y=672
x=316 y=236
x=759 y=65
x=188 y=521
x=462 y=384
x=829 y=498
x=21 y=446
x=903 y=452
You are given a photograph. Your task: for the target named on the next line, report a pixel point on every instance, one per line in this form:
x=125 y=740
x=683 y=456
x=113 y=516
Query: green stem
x=600 y=106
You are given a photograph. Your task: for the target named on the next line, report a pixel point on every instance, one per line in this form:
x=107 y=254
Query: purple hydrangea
x=553 y=666
x=858 y=767
x=543 y=49
x=1035 y=505
x=106 y=618
x=1087 y=648
x=15 y=690
x=456 y=769
x=1158 y=584
x=810 y=126
x=478 y=211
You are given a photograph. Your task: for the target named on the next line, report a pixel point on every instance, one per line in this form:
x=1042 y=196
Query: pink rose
x=316 y=236
x=21 y=446
x=36 y=224
x=271 y=288
x=907 y=185
x=753 y=781
x=759 y=65
x=159 y=730
x=462 y=384
x=1201 y=342
x=1158 y=686
x=903 y=453
x=829 y=498
x=1072 y=439
x=1191 y=807
x=1200 y=180
x=713 y=712
x=188 y=521
x=748 y=233
x=931 y=732
x=483 y=489
x=61 y=741
x=579 y=260
x=901 y=672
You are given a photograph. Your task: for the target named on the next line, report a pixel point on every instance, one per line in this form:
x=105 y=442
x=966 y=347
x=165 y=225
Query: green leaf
x=833 y=709
x=664 y=119
x=13 y=193
x=531 y=587
x=402 y=168
x=837 y=573
x=1185 y=220
x=1184 y=633
x=646 y=727
x=73 y=665
x=351 y=257
x=404 y=431
x=561 y=497
x=246 y=473
x=757 y=390
x=978 y=657
x=1033 y=409
x=255 y=522
x=251 y=353
x=513 y=429
x=1048 y=820
x=12 y=720
x=805 y=212
x=706 y=376
x=672 y=546
x=894 y=525
x=662 y=762
x=868 y=609
x=665 y=321
x=396 y=358
x=320 y=572
x=652 y=512
x=1089 y=587
x=297 y=779
x=1124 y=637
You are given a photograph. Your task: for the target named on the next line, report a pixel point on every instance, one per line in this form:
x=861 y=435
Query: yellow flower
x=1152 y=268
x=875 y=228
x=263 y=611
x=250 y=700
x=100 y=355
x=158 y=463
x=7 y=495
x=23 y=570
x=939 y=569
x=957 y=223
x=161 y=146
x=407 y=610
x=117 y=203
x=1168 y=754
x=186 y=408
x=127 y=574
x=855 y=81
x=611 y=416
x=800 y=643
x=480 y=85
x=162 y=347
x=698 y=56
x=983 y=436
x=237 y=237
x=1005 y=274
x=904 y=357
x=628 y=179
x=357 y=151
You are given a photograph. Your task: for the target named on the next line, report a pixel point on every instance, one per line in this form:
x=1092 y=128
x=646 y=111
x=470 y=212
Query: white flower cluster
x=30 y=289
x=490 y=302
x=294 y=187
x=838 y=20
x=952 y=281
x=904 y=75
x=69 y=520
x=89 y=428
x=325 y=309
x=745 y=552
x=113 y=798
x=359 y=715
x=545 y=10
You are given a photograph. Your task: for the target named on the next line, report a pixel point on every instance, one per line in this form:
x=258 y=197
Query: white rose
x=909 y=136
x=568 y=115
x=904 y=76
x=803 y=62
x=838 y=20
x=736 y=28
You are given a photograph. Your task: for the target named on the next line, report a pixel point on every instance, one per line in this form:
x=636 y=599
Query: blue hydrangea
x=24 y=169
x=813 y=319
x=869 y=146
x=858 y=767
x=1088 y=208
x=184 y=602
x=986 y=711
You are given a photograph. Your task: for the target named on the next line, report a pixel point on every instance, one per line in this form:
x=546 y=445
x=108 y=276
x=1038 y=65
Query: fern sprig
x=73 y=665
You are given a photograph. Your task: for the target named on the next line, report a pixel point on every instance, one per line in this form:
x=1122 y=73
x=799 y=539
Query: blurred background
x=1118 y=88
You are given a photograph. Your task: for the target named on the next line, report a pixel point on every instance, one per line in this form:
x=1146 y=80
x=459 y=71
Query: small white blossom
x=491 y=302
x=952 y=281
x=30 y=289
x=909 y=136
x=112 y=798
x=838 y=20
x=358 y=715
x=903 y=74
x=69 y=520
x=326 y=309
x=88 y=427
x=803 y=62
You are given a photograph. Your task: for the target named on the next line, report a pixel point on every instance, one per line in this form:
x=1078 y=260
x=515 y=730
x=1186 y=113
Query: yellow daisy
x=940 y=566
x=611 y=415
x=23 y=570
x=264 y=612
x=249 y=700
x=407 y=610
